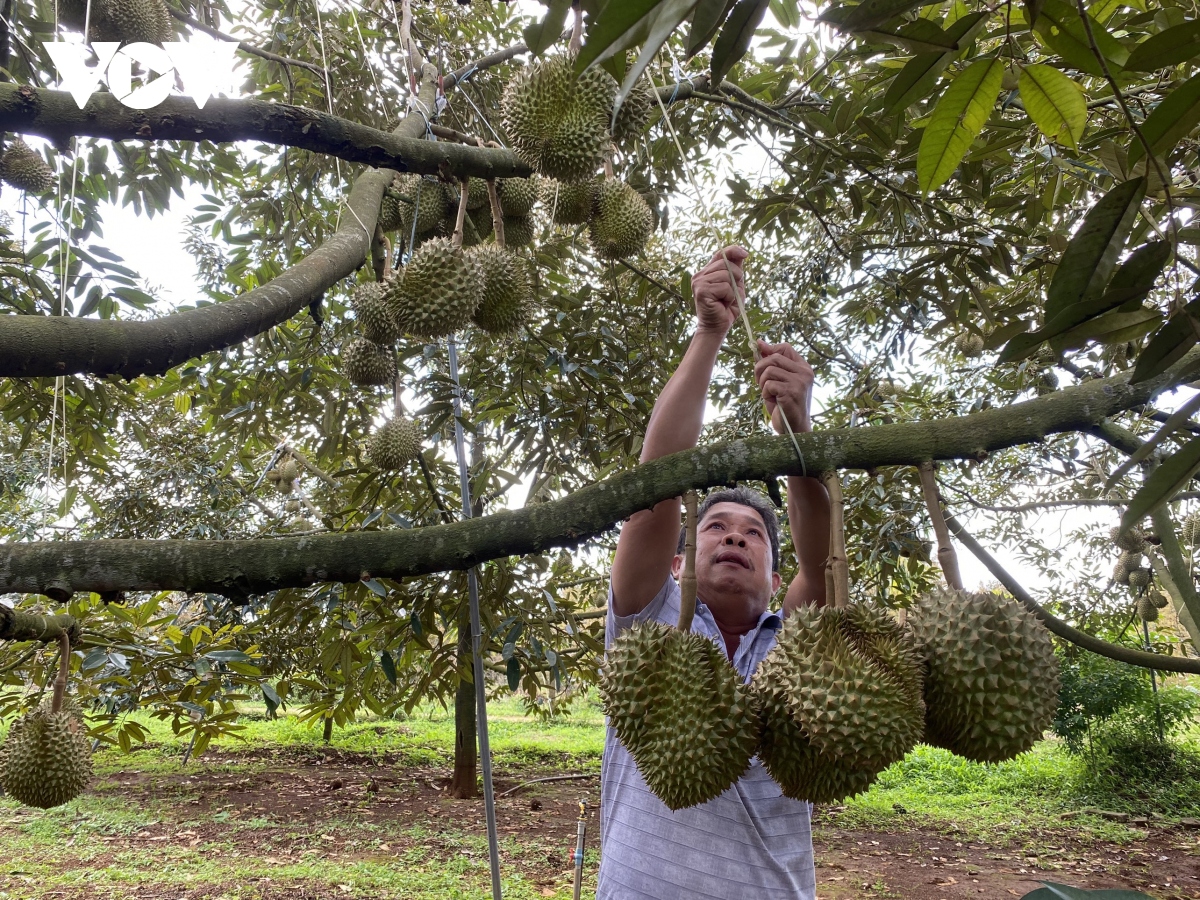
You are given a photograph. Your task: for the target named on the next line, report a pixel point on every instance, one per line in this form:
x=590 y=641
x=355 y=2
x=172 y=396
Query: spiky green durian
x=1160 y=599
x=681 y=710
x=24 y=168
x=568 y=204
x=991 y=685
x=477 y=193
x=634 y=113
x=289 y=470
x=46 y=759
x=391 y=215
x=621 y=221
x=559 y=123
x=374 y=316
x=517 y=195
x=1139 y=578
x=481 y=219
x=395 y=444
x=130 y=21
x=1146 y=609
x=439 y=293
x=518 y=231
x=507 y=289
x=367 y=363
x=852 y=681
x=1133 y=540
x=427 y=198
x=969 y=344
x=1191 y=529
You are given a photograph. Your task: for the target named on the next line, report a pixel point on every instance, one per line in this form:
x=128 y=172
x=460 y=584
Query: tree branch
x=241 y=567
x=242 y=45
x=22 y=626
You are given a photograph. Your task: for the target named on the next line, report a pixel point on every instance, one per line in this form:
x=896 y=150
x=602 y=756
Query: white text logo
x=205 y=67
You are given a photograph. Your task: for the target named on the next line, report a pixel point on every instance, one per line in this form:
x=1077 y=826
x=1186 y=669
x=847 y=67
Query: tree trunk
x=327 y=735
x=464 y=784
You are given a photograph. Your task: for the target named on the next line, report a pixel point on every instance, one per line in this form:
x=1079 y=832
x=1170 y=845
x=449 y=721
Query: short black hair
x=746 y=497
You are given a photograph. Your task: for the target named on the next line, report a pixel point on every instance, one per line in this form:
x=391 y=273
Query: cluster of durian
x=46 y=758
x=23 y=168
x=1129 y=569
x=127 y=21
x=284 y=474
x=619 y=219
x=969 y=344
x=370 y=358
x=1149 y=603
x=421 y=209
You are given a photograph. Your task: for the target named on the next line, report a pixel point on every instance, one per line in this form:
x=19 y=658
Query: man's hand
x=786 y=380
x=716 y=303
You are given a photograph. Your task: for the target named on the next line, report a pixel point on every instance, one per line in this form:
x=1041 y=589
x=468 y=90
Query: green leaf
x=620 y=24
x=1091 y=255
x=706 y=20
x=1170 y=121
x=541 y=35
x=1177 y=44
x=868 y=14
x=388 y=665
x=1164 y=483
x=1113 y=327
x=659 y=27
x=1061 y=28
x=1174 y=339
x=513 y=670
x=957 y=120
x=919 y=76
x=734 y=39
x=1054 y=102
x=1137 y=275
x=1174 y=423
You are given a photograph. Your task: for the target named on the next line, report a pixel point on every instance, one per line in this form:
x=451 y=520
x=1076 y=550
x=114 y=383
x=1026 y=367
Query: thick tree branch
x=22 y=626
x=1062 y=629
x=58 y=568
x=56 y=116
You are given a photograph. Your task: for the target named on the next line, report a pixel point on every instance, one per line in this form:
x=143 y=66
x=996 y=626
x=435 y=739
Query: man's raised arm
x=649 y=538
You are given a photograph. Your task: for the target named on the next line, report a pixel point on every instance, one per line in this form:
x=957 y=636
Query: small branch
x=242 y=45
x=497 y=212
x=667 y=289
x=64 y=668
x=526 y=784
x=687 y=580
x=457 y=238
x=576 y=28
x=449 y=134
x=447 y=516
x=947 y=558
x=839 y=567
x=22 y=626
x=1062 y=629
x=381 y=251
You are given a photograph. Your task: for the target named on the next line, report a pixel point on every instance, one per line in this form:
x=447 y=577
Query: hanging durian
x=676 y=703
x=1146 y=609
x=428 y=199
x=991 y=686
x=374 y=316
x=969 y=344
x=1133 y=540
x=289 y=469
x=1160 y=599
x=1190 y=533
x=568 y=204
x=518 y=195
x=131 y=21
x=1139 y=579
x=519 y=231
x=621 y=221
x=391 y=215
x=25 y=169
x=634 y=113
x=481 y=220
x=507 y=289
x=477 y=194
x=46 y=759
x=367 y=363
x=395 y=444
x=1047 y=382
x=439 y=293
x=292 y=506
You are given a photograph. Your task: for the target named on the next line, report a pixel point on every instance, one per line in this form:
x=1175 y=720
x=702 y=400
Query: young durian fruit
x=507 y=289
x=289 y=470
x=481 y=221
x=559 y=123
x=621 y=221
x=517 y=195
x=1146 y=609
x=519 y=231
x=1139 y=578
x=1160 y=599
x=991 y=684
x=428 y=199
x=1047 y=382
x=24 y=168
x=130 y=21
x=292 y=506
x=568 y=204
x=391 y=215
x=1191 y=529
x=677 y=704
x=439 y=293
x=969 y=344
x=477 y=194
x=634 y=113
x=395 y=444
x=367 y=363
x=374 y=316
x=46 y=759
x=1133 y=540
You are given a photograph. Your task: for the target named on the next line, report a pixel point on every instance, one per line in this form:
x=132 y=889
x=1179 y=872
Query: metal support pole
x=485 y=752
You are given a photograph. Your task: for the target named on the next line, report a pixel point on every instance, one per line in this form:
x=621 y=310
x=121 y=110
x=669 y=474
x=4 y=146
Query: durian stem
x=497 y=212
x=457 y=239
x=64 y=667
x=687 y=580
x=608 y=168
x=947 y=557
x=576 y=28
x=397 y=404
x=838 y=566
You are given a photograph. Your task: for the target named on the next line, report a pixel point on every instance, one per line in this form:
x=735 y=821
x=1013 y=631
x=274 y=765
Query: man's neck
x=732 y=632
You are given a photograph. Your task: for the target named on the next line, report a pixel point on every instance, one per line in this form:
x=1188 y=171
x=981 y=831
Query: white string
x=329 y=100
x=370 y=64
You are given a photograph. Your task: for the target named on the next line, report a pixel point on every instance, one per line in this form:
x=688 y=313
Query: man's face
x=733 y=562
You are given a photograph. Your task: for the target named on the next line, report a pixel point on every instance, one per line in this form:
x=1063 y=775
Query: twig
x=526 y=784
x=242 y=45
x=654 y=281
x=433 y=491
x=449 y=134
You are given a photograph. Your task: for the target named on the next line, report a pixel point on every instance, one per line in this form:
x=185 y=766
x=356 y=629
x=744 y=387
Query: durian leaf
x=1174 y=339
x=706 y=20
x=918 y=78
x=1060 y=27
x=956 y=120
x=541 y=35
x=388 y=665
x=734 y=39
x=513 y=670
x=867 y=15
x=669 y=16
x=621 y=24
x=1091 y=255
x=1054 y=102
x=1170 y=121
x=1177 y=44
x=1165 y=482
x=1174 y=421
x=1113 y=327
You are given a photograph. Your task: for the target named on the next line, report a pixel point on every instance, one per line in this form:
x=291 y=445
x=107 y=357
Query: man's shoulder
x=663 y=607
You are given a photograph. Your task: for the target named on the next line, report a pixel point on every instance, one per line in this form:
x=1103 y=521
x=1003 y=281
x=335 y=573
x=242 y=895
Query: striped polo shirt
x=751 y=843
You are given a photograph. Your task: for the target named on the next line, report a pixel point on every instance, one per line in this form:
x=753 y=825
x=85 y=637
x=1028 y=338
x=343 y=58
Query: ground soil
x=298 y=793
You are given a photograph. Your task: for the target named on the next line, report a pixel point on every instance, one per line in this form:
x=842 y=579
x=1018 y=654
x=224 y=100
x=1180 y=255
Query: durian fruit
x=621 y=221
x=367 y=363
x=427 y=198
x=477 y=193
x=559 y=123
x=517 y=195
x=130 y=21
x=507 y=289
x=1160 y=599
x=289 y=470
x=969 y=344
x=24 y=168
x=1132 y=540
x=395 y=444
x=681 y=710
x=634 y=113
x=518 y=231
x=481 y=220
x=568 y=204
x=374 y=316
x=292 y=506
x=46 y=759
x=1191 y=529
x=991 y=684
x=1146 y=609
x=1047 y=382
x=439 y=293
x=390 y=213
x=1139 y=579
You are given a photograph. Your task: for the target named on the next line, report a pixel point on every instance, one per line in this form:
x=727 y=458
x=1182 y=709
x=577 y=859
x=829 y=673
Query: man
x=750 y=843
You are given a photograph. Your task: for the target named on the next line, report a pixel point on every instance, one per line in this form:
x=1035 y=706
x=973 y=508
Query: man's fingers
x=782 y=364
x=735 y=253
x=716 y=269
x=785 y=350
